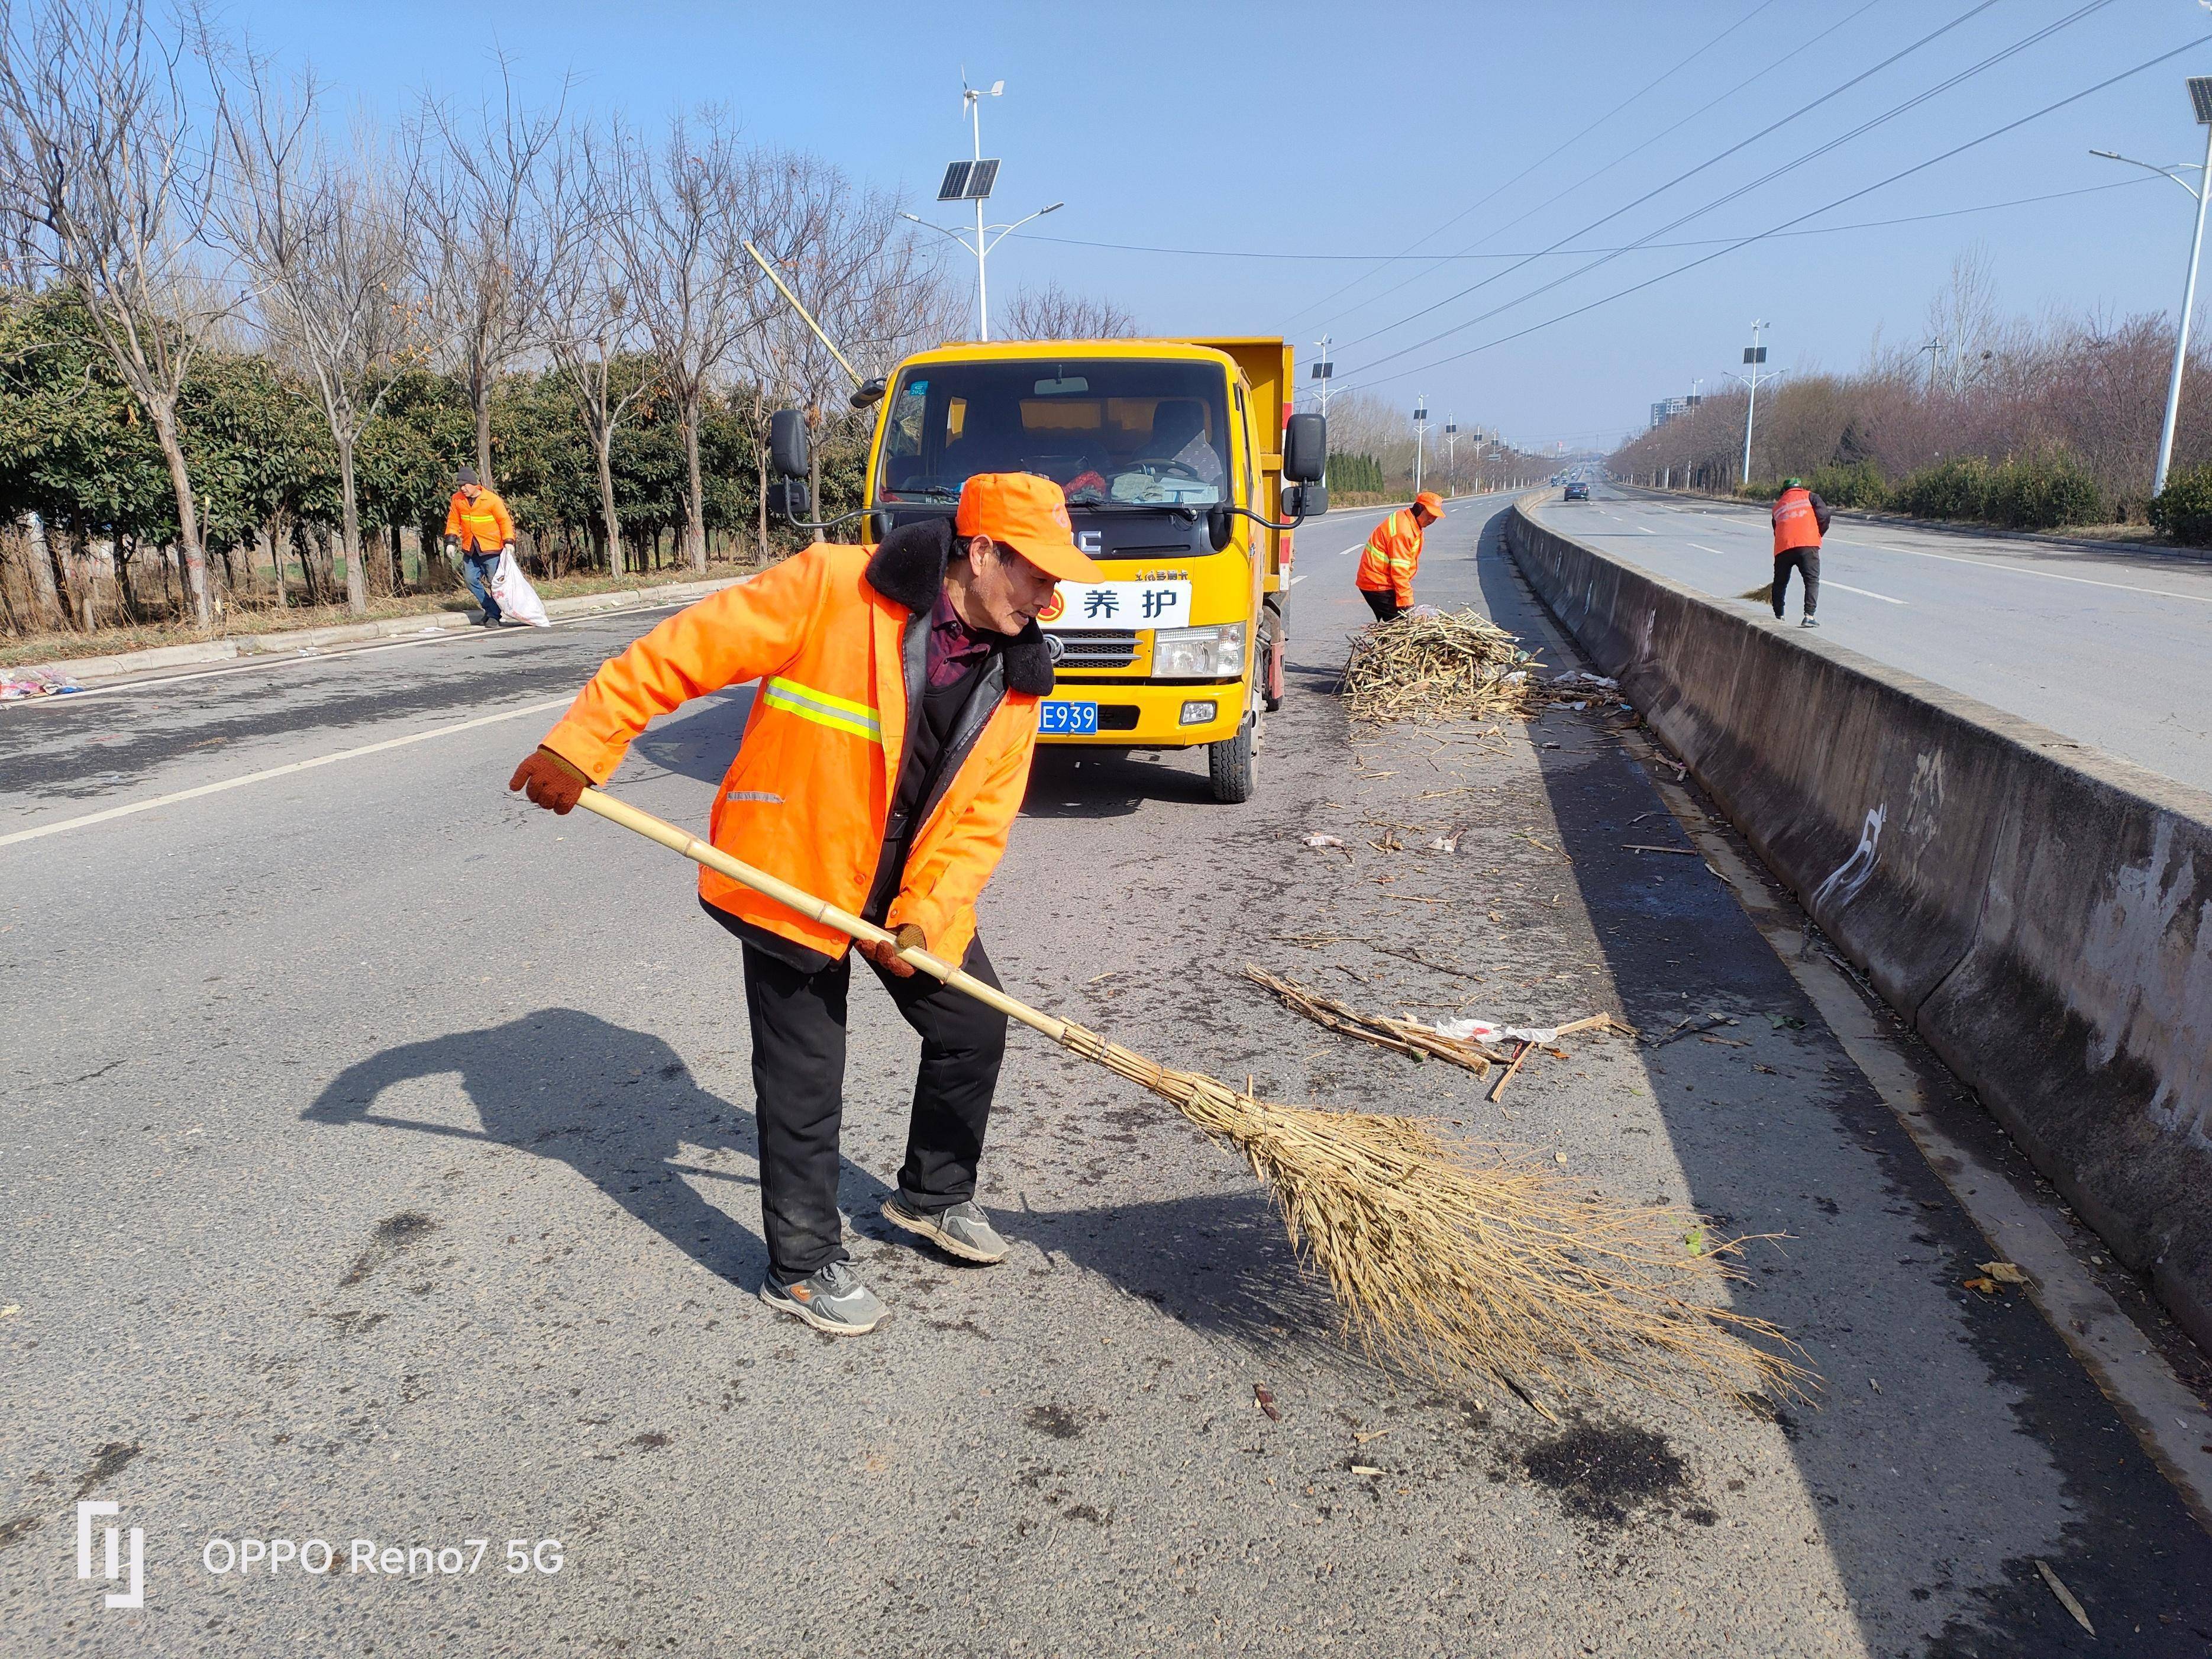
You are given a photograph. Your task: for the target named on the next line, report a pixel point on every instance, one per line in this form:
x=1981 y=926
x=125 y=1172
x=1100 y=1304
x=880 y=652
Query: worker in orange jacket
x=883 y=763
x=479 y=528
x=1801 y=519
x=1393 y=554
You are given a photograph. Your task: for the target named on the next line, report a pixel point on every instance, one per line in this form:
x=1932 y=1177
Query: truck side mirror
x=1305 y=448
x=787 y=443
x=789 y=499
x=869 y=391
x=1306 y=501
x=1220 y=526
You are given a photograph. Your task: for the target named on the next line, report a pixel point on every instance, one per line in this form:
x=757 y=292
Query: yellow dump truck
x=1185 y=474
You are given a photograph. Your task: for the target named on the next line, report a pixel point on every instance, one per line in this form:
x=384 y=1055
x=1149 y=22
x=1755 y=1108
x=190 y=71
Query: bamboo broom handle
x=814 y=909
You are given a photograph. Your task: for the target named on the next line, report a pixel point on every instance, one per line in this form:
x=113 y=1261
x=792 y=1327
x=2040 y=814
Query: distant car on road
x=1577 y=490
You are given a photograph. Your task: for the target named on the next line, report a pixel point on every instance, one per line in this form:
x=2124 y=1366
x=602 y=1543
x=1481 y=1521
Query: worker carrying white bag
x=517 y=598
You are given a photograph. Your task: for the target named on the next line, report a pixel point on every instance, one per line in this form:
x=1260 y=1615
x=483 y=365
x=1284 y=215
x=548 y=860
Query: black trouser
x=1808 y=562
x=1383 y=604
x=799 y=1092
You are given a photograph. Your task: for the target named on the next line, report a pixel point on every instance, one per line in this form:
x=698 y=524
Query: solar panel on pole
x=981 y=177
x=955 y=187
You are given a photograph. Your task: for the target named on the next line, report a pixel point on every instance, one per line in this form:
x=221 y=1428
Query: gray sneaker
x=830 y=1299
x=963 y=1230
x=1809 y=622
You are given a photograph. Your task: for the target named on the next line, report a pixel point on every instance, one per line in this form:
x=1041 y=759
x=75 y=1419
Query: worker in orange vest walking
x=1393 y=554
x=1801 y=519
x=479 y=528
x=881 y=769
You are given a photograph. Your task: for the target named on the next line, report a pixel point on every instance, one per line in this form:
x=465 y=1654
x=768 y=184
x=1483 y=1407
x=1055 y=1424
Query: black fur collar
x=908 y=568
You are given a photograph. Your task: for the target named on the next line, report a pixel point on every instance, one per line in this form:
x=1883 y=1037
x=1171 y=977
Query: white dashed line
x=239 y=782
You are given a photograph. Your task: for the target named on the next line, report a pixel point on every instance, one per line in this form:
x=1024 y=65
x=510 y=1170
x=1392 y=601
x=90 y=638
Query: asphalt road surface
x=377 y=1166
x=2113 y=649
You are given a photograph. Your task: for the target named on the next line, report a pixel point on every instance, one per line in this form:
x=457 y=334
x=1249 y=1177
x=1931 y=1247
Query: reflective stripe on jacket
x=1394 y=553
x=483 y=525
x=1795 y=523
x=808 y=795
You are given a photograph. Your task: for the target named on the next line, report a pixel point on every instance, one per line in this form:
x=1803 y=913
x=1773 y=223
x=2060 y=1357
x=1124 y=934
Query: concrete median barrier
x=2040 y=911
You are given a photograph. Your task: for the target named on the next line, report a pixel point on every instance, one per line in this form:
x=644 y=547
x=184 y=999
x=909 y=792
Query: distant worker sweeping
x=1393 y=554
x=881 y=766
x=1801 y=519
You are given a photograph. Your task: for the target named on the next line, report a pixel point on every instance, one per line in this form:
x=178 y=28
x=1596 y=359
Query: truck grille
x=1095 y=647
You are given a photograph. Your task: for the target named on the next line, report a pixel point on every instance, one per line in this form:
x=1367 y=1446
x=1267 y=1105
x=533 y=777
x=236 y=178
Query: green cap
x=1793 y=483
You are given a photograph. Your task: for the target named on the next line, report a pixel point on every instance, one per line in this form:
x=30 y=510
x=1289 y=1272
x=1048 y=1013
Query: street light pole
x=1754 y=355
x=974 y=96
x=2200 y=97
x=1420 y=438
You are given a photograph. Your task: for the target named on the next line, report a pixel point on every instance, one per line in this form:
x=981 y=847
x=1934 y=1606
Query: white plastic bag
x=517 y=598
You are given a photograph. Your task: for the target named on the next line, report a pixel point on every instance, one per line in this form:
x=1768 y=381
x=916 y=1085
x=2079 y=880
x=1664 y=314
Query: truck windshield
x=1118 y=431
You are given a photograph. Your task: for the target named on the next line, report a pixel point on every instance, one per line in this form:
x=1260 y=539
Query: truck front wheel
x=1230 y=764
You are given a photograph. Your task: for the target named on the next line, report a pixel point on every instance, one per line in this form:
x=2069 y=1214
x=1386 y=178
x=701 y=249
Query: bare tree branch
x=480 y=261
x=107 y=185
x=330 y=240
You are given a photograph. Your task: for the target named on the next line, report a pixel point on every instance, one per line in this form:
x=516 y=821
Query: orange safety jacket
x=483 y=525
x=838 y=637
x=1795 y=523
x=1394 y=553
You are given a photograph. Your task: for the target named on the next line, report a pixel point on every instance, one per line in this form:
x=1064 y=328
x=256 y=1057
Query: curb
x=292 y=641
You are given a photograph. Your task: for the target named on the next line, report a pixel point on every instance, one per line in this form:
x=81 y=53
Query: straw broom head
x=1456 y=1266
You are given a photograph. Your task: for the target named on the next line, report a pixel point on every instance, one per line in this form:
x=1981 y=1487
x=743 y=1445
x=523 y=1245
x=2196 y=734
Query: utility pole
x=2200 y=97
x=1451 y=454
x=1753 y=355
x=1420 y=437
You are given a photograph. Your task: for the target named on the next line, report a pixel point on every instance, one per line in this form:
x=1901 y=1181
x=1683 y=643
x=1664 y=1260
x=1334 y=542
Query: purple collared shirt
x=954 y=647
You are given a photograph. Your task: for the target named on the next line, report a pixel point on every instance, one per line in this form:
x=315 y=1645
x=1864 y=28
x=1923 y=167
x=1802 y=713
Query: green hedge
x=2038 y=492
x=2183 y=509
x=1355 y=472
x=1860 y=484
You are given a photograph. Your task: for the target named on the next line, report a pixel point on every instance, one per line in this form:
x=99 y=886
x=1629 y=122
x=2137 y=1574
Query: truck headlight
x=1199 y=653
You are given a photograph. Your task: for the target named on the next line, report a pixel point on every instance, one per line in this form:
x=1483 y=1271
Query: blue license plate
x=1071 y=719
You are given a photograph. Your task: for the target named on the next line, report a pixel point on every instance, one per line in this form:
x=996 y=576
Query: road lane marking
x=2024 y=570
x=285 y=770
x=268 y=661
x=1863 y=592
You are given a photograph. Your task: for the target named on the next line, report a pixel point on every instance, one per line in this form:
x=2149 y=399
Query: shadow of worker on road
x=617 y=1106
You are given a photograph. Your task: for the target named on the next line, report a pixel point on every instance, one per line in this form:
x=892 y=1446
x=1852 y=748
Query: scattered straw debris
x=1406 y=1036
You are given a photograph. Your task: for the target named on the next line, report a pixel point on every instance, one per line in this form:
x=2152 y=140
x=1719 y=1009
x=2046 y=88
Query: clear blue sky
x=1294 y=129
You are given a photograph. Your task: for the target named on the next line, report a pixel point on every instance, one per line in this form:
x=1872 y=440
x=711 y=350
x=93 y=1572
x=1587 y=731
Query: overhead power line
x=1785 y=226
x=1742 y=145
x=1439 y=230
x=1634 y=150
x=1576 y=252
x=1766 y=178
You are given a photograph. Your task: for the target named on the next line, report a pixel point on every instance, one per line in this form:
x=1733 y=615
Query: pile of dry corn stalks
x=1440 y=665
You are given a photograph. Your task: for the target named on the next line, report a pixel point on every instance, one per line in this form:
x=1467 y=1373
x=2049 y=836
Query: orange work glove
x=885 y=955
x=551 y=782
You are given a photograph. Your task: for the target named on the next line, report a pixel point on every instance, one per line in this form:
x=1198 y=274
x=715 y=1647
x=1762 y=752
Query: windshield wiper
x=1187 y=514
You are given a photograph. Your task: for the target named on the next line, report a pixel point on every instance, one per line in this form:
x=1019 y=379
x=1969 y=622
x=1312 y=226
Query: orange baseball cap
x=1430 y=502
x=1029 y=514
